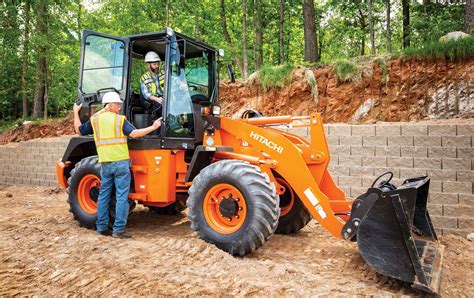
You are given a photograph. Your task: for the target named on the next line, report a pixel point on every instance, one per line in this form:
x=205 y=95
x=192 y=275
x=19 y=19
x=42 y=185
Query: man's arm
x=137 y=133
x=77 y=120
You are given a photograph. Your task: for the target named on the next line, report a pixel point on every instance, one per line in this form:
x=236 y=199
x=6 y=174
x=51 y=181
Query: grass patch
x=311 y=80
x=455 y=49
x=6 y=125
x=346 y=71
x=275 y=76
x=383 y=66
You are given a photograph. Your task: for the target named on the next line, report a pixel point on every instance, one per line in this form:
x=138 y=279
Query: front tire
x=233 y=205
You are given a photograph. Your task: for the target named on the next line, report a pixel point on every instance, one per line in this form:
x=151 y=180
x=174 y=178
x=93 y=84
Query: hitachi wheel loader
x=242 y=179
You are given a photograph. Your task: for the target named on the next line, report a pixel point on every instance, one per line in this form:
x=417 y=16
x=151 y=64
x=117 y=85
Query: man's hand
x=158 y=99
x=76 y=108
x=157 y=123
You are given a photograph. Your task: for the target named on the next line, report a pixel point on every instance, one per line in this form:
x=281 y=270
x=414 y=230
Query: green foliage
x=383 y=66
x=346 y=71
x=275 y=76
x=6 y=125
x=454 y=49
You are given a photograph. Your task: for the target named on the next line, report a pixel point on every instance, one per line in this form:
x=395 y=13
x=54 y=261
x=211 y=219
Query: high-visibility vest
x=109 y=139
x=147 y=80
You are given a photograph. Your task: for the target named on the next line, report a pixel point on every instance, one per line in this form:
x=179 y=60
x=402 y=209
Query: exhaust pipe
x=395 y=234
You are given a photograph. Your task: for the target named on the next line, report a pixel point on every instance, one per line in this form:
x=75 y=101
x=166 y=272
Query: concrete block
x=466 y=199
x=380 y=171
x=466 y=222
x=443 y=198
x=457 y=232
x=400 y=162
x=350 y=181
x=427 y=141
x=458 y=211
x=339 y=130
x=456 y=164
x=350 y=160
x=457 y=187
x=357 y=191
x=435 y=209
x=362 y=150
x=465 y=130
x=387 y=151
x=340 y=150
x=442 y=175
x=388 y=130
x=367 y=181
x=465 y=176
x=465 y=152
x=400 y=141
x=340 y=170
x=414 y=130
x=428 y=163
x=346 y=190
x=411 y=151
x=363 y=130
x=334 y=160
x=441 y=130
x=299 y=131
x=332 y=140
x=374 y=161
x=411 y=173
x=456 y=141
x=436 y=186
x=361 y=171
x=444 y=222
x=374 y=141
x=350 y=141
x=436 y=152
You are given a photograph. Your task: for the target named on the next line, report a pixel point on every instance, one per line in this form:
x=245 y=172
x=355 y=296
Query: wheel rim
x=87 y=191
x=287 y=199
x=225 y=208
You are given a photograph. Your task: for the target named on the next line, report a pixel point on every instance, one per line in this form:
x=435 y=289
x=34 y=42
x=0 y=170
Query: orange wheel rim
x=86 y=202
x=225 y=208
x=287 y=204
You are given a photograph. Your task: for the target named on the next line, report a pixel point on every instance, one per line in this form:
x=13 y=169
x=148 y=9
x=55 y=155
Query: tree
x=258 y=34
x=469 y=17
x=371 y=28
x=281 y=56
x=310 y=38
x=244 y=38
x=41 y=64
x=406 y=23
x=389 y=32
x=24 y=67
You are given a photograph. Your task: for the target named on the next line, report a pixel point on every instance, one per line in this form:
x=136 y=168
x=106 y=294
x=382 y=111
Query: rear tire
x=233 y=205
x=294 y=215
x=83 y=192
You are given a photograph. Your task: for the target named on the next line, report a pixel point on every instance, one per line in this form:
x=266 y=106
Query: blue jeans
x=118 y=173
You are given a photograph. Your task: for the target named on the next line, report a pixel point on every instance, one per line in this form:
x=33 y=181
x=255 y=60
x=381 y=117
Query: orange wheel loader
x=241 y=179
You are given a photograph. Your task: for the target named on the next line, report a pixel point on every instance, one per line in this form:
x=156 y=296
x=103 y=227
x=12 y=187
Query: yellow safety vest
x=148 y=81
x=109 y=139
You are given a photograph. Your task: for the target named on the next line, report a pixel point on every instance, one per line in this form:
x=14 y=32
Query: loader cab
x=189 y=68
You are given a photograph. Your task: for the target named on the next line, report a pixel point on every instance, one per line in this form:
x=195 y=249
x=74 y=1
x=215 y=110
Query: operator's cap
x=111 y=97
x=152 y=57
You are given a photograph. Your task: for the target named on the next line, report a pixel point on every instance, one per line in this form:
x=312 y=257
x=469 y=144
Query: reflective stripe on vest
x=151 y=83
x=110 y=141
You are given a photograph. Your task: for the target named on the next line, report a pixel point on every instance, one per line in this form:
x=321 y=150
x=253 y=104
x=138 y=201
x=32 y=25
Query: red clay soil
x=412 y=85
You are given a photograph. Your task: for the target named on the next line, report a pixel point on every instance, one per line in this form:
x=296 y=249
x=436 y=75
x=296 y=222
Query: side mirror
x=230 y=73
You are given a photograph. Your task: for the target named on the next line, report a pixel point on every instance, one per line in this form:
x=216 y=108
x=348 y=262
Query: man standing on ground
x=110 y=132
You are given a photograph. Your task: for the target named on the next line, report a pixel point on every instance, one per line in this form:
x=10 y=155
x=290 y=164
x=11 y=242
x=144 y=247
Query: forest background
x=40 y=39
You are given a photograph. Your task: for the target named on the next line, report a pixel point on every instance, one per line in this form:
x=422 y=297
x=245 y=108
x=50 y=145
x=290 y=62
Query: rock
x=453 y=35
x=8 y=195
x=470 y=236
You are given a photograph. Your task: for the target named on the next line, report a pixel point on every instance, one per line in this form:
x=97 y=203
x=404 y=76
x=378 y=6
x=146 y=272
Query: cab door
x=104 y=65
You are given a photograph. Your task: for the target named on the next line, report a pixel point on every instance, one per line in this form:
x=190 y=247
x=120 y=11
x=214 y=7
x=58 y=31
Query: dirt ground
x=43 y=251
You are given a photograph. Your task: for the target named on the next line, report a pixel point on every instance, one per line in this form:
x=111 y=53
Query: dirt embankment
x=43 y=251
x=410 y=90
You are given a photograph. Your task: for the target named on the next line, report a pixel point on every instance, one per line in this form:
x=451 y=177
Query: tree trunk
x=371 y=28
x=259 y=34
x=389 y=32
x=281 y=58
x=245 y=72
x=41 y=66
x=469 y=17
x=310 y=38
x=227 y=37
x=406 y=23
x=24 y=67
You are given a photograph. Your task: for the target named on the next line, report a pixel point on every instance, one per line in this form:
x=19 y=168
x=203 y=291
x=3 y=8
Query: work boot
x=103 y=233
x=121 y=235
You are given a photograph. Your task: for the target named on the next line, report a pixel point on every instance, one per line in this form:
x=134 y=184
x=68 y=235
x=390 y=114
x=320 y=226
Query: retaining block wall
x=359 y=154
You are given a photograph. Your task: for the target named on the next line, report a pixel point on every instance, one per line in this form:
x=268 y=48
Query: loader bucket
x=395 y=235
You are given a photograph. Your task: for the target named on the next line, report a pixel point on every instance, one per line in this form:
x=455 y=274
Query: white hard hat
x=111 y=97
x=152 y=57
